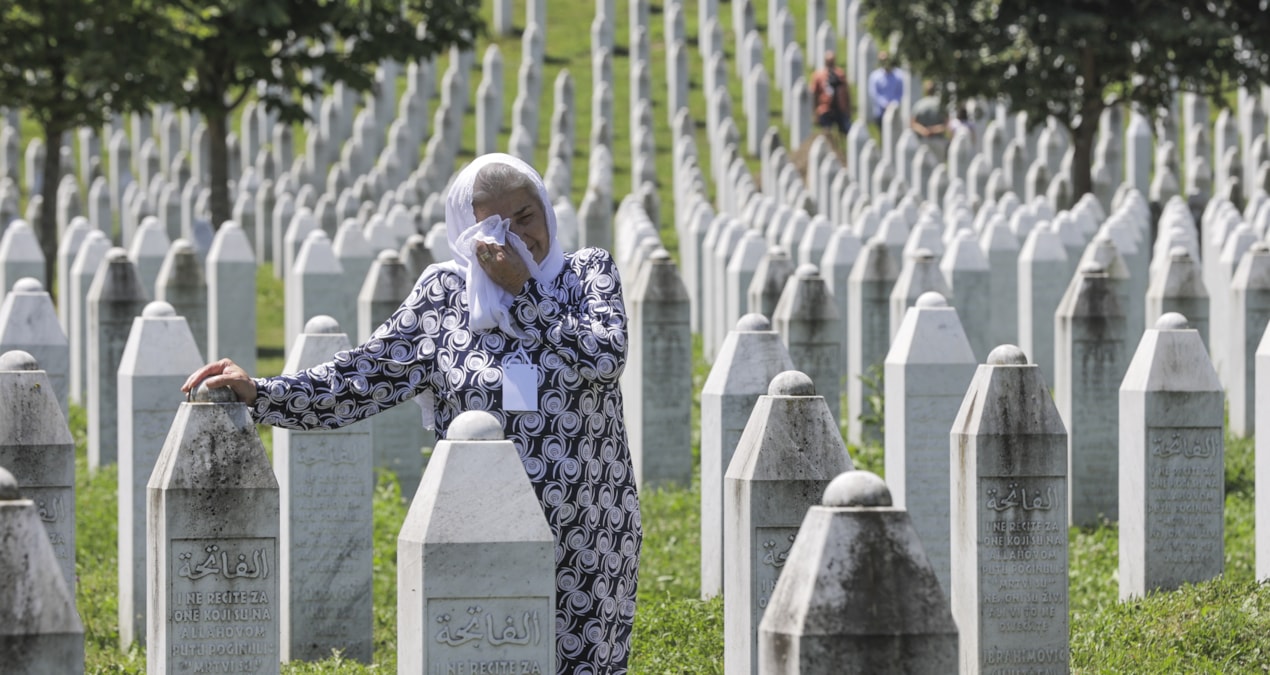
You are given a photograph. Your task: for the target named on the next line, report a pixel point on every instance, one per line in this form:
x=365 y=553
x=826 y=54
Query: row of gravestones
x=1004 y=515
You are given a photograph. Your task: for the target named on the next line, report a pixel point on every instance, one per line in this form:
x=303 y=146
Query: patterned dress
x=574 y=448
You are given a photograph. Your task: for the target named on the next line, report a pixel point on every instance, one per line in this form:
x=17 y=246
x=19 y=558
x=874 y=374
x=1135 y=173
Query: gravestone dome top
x=753 y=322
x=321 y=324
x=202 y=394
x=8 y=486
x=1093 y=267
x=1260 y=247
x=931 y=299
x=1172 y=321
x=388 y=256
x=230 y=224
x=1007 y=355
x=1179 y=253
x=116 y=254
x=791 y=383
x=857 y=488
x=18 y=360
x=158 y=310
x=806 y=271
x=182 y=246
x=660 y=255
x=27 y=285
x=475 y=425
x=923 y=254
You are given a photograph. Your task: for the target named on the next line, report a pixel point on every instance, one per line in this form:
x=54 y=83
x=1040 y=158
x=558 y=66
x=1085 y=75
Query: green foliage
x=1054 y=57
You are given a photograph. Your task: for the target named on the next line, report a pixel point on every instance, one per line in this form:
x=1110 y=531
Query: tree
x=69 y=64
x=234 y=46
x=1071 y=60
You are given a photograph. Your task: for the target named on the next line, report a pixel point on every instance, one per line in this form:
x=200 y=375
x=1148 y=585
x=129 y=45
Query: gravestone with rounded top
x=158 y=356
x=231 y=293
x=752 y=354
x=114 y=300
x=20 y=255
x=657 y=382
x=746 y=259
x=789 y=452
x=36 y=445
x=858 y=593
x=835 y=266
x=1178 y=286
x=868 y=337
x=40 y=629
x=927 y=371
x=398 y=440
x=1001 y=249
x=28 y=321
x=1009 y=521
x=806 y=318
x=71 y=242
x=315 y=285
x=919 y=275
x=327 y=482
x=180 y=283
x=212 y=590
x=1172 y=477
x=966 y=272
x=89 y=258
x=1044 y=273
x=149 y=247
x=476 y=574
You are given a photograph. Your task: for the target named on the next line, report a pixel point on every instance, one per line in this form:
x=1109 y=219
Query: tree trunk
x=218 y=139
x=1082 y=157
x=47 y=232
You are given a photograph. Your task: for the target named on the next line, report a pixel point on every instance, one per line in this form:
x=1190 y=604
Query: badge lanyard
x=520 y=383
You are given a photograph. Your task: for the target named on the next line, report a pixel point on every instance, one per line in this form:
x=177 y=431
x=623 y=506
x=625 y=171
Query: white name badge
x=520 y=387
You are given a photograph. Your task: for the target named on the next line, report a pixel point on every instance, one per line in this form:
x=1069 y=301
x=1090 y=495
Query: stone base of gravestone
x=476 y=576
x=212 y=544
x=40 y=631
x=857 y=594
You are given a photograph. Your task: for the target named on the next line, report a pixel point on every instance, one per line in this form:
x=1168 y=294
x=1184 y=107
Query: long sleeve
x=580 y=319
x=390 y=367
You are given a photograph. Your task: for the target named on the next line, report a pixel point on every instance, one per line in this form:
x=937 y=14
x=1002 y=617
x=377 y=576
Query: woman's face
x=529 y=222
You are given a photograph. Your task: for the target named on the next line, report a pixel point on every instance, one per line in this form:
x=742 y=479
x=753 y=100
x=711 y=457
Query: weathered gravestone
x=857 y=594
x=927 y=371
x=476 y=574
x=28 y=321
x=1089 y=362
x=158 y=357
x=398 y=439
x=791 y=448
x=868 y=337
x=1172 y=476
x=751 y=355
x=36 y=445
x=1009 y=521
x=1249 y=315
x=40 y=631
x=87 y=260
x=327 y=483
x=212 y=590
x=1178 y=286
x=1044 y=273
x=657 y=382
x=231 y=292
x=114 y=299
x=806 y=318
x=180 y=283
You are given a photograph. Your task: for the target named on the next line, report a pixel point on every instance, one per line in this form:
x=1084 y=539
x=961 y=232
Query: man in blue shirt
x=886 y=86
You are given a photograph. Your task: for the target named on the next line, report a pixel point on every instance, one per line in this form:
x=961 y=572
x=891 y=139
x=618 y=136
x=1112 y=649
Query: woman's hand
x=503 y=265
x=224 y=373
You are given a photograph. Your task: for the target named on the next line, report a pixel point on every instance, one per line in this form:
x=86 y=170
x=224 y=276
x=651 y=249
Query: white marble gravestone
x=927 y=371
x=180 y=283
x=476 y=574
x=231 y=298
x=1172 y=477
x=1249 y=314
x=751 y=355
x=1009 y=520
x=40 y=630
x=28 y=321
x=789 y=452
x=212 y=588
x=657 y=381
x=315 y=285
x=807 y=320
x=20 y=255
x=327 y=483
x=858 y=594
x=36 y=446
x=868 y=336
x=159 y=355
x=114 y=299
x=1089 y=363
x=87 y=260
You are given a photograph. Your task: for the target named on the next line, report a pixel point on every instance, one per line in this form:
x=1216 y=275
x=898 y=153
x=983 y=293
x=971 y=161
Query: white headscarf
x=488 y=302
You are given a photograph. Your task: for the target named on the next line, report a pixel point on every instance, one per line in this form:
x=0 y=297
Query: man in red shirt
x=831 y=96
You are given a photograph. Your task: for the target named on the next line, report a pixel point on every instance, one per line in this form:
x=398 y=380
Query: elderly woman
x=537 y=337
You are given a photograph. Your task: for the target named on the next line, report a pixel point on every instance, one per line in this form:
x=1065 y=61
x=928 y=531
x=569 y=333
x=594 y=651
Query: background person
x=510 y=312
x=832 y=96
x=886 y=88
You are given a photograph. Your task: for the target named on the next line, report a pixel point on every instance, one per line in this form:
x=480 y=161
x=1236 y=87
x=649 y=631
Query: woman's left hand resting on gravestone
x=224 y=373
